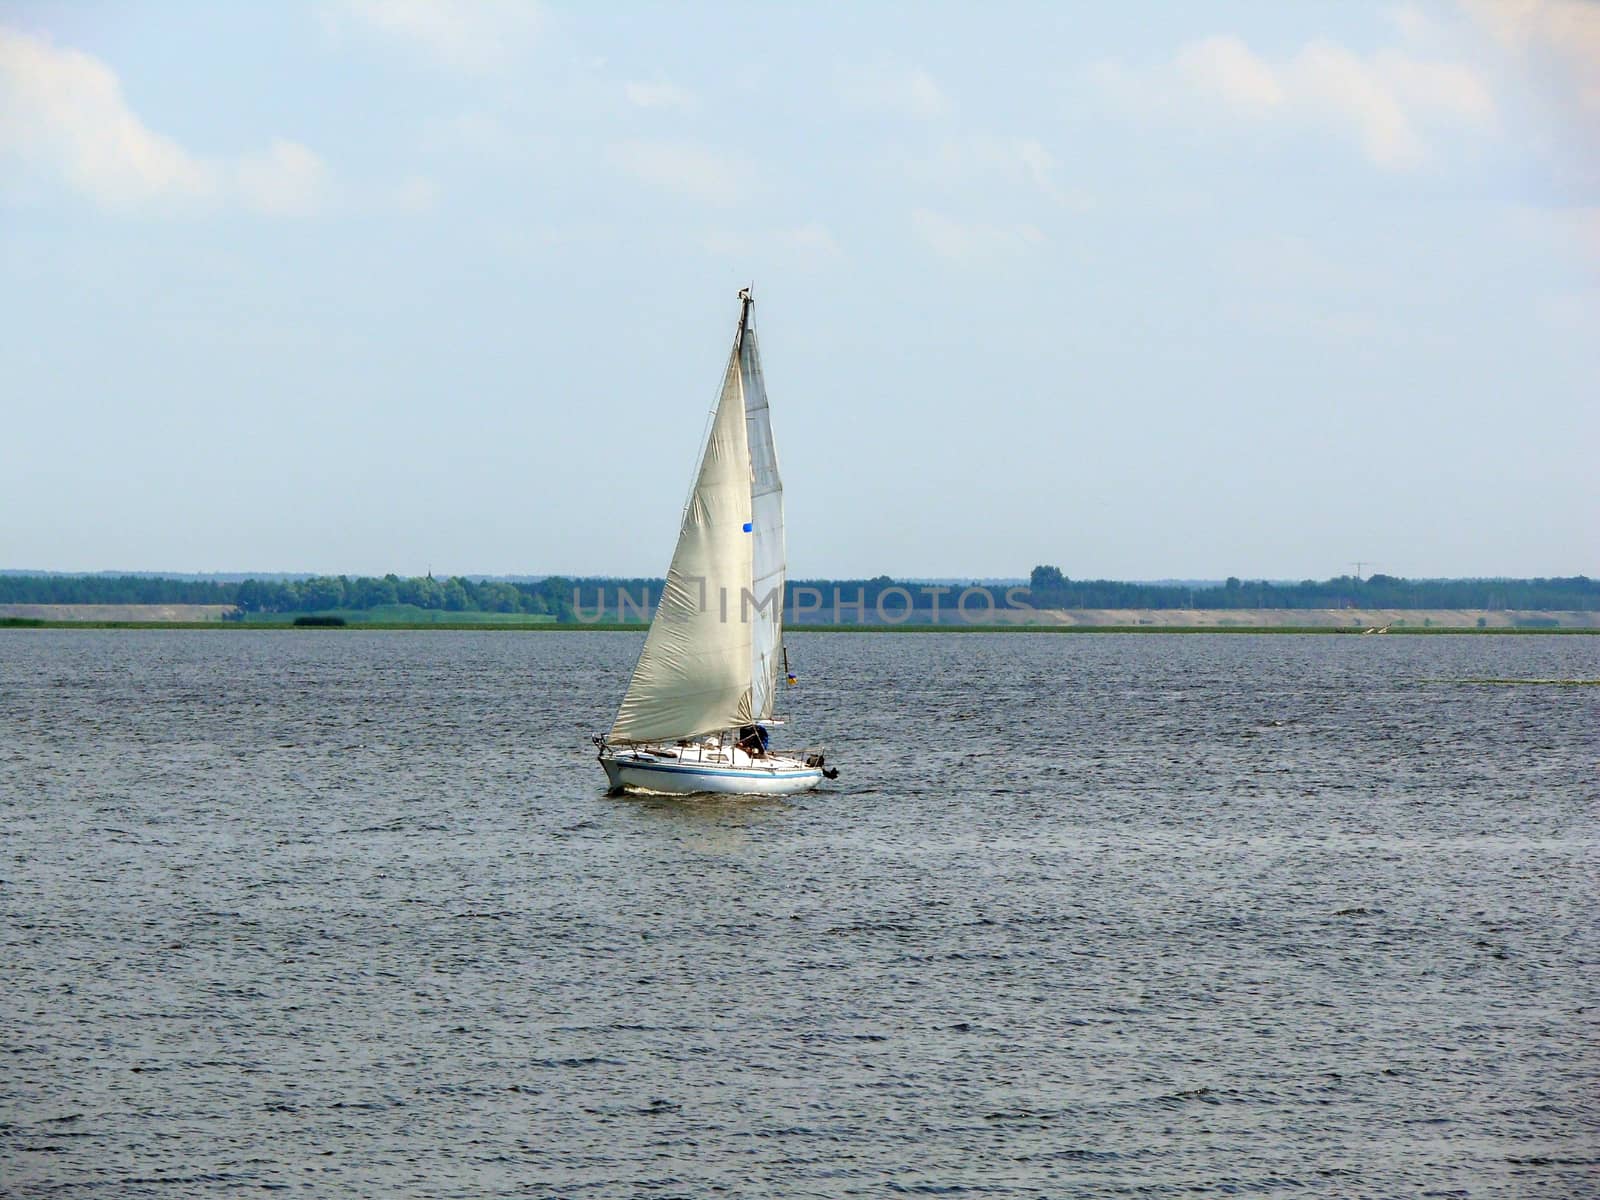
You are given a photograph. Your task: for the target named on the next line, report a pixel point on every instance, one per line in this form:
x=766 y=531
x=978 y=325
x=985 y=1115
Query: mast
x=768 y=562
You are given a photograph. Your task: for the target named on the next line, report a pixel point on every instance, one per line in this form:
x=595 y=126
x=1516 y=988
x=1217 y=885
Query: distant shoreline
x=947 y=620
x=640 y=627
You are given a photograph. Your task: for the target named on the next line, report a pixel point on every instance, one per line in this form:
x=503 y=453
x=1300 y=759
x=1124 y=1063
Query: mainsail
x=695 y=674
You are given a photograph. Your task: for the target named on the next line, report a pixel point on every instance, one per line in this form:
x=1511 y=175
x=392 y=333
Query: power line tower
x=1358 y=564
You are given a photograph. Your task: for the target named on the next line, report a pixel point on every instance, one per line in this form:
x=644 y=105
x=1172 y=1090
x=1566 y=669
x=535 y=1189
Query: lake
x=349 y=914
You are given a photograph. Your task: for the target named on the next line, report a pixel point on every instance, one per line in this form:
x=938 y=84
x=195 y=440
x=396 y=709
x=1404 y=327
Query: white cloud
x=1553 y=47
x=659 y=94
x=1389 y=101
x=905 y=91
x=1347 y=91
x=1411 y=23
x=1562 y=34
x=1014 y=161
x=976 y=243
x=1225 y=67
x=473 y=36
x=63 y=116
x=286 y=180
x=683 y=167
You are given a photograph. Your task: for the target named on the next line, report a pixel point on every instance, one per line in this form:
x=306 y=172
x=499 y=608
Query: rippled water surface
x=348 y=913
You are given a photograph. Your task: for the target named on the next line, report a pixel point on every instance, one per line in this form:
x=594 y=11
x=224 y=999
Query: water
x=348 y=914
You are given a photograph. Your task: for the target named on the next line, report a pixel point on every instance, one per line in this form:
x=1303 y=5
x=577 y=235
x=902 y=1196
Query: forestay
x=766 y=514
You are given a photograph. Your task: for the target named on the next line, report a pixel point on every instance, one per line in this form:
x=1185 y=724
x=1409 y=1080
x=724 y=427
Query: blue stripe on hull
x=637 y=765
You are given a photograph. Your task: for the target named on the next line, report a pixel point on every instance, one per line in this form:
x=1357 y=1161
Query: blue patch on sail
x=748 y=527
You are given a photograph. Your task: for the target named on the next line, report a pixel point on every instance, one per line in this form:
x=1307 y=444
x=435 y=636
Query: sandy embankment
x=1321 y=618
x=116 y=612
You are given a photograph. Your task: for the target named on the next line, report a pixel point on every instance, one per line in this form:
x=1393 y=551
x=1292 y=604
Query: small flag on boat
x=792 y=680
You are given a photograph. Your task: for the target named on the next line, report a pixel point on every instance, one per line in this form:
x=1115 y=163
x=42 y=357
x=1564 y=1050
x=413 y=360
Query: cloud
x=1012 y=161
x=1564 y=34
x=1410 y=22
x=286 y=180
x=682 y=167
x=903 y=91
x=659 y=94
x=1225 y=67
x=471 y=36
x=1554 y=45
x=1388 y=102
x=63 y=117
x=972 y=244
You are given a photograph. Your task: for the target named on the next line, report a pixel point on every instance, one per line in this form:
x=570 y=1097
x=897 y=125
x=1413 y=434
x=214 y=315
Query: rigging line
x=746 y=303
x=694 y=474
x=699 y=461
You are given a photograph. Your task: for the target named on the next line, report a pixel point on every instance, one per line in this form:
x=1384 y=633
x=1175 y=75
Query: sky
x=1142 y=291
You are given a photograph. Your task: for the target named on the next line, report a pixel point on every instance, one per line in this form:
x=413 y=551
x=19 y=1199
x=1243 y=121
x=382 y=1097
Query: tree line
x=813 y=599
x=320 y=593
x=1050 y=588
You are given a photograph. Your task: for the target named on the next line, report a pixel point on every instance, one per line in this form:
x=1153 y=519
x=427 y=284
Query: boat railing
x=812 y=756
x=714 y=750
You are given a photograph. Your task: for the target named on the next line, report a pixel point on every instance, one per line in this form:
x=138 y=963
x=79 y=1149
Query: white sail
x=693 y=675
x=711 y=659
x=768 y=563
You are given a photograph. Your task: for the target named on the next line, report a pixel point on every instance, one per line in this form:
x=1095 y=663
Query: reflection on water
x=708 y=823
x=733 y=812
x=1083 y=915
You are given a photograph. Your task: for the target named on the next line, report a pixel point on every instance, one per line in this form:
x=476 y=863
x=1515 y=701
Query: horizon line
x=980 y=580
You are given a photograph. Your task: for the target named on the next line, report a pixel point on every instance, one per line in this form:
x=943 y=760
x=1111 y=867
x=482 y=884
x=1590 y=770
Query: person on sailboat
x=753 y=740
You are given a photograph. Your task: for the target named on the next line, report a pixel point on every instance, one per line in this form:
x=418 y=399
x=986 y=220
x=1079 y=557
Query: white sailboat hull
x=773 y=775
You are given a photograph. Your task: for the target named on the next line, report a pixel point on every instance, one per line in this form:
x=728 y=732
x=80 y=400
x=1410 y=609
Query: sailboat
x=698 y=710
